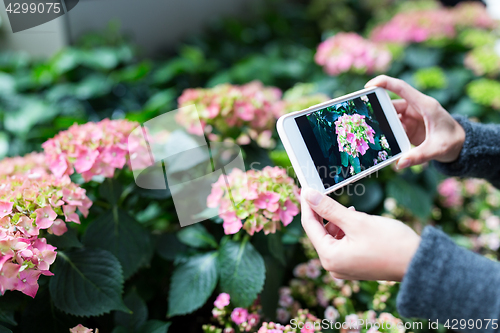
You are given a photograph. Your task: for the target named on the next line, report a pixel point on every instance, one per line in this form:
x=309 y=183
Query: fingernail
x=403 y=164
x=352 y=208
x=313 y=196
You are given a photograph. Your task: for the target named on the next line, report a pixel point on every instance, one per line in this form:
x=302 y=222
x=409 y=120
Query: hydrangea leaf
x=344 y=158
x=192 y=284
x=197 y=236
x=139 y=314
x=118 y=233
x=87 y=282
x=7 y=316
x=411 y=196
x=242 y=272
x=155 y=326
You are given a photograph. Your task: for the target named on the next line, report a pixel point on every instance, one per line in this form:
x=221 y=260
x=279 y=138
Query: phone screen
x=347 y=138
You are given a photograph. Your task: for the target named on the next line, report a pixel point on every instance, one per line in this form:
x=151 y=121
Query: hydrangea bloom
x=265 y=198
x=350 y=52
x=91 y=149
x=244 y=319
x=353 y=134
x=233 y=112
x=32 y=164
x=485 y=92
x=451 y=191
x=222 y=300
x=416 y=27
x=300 y=97
x=28 y=205
x=308 y=324
x=473 y=14
x=430 y=78
x=483 y=61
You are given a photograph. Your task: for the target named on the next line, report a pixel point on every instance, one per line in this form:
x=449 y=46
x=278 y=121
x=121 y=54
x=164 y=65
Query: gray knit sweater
x=444 y=281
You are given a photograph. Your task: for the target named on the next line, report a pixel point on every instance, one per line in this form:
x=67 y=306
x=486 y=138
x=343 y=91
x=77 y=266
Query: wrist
x=411 y=247
x=456 y=144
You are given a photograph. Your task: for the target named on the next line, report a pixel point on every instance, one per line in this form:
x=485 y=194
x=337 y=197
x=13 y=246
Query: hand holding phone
x=434 y=132
x=340 y=141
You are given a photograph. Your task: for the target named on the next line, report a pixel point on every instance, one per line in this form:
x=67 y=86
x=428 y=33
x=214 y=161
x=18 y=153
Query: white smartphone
x=340 y=141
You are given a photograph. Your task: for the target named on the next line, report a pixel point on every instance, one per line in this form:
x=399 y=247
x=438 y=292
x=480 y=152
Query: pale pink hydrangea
x=222 y=300
x=82 y=329
x=331 y=314
x=308 y=323
x=264 y=199
x=473 y=14
x=348 y=51
x=91 y=149
x=32 y=165
x=416 y=27
x=28 y=205
x=451 y=191
x=483 y=61
x=353 y=134
x=230 y=112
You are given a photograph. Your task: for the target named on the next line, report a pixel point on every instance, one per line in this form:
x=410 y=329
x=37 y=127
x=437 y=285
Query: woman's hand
x=436 y=135
x=354 y=245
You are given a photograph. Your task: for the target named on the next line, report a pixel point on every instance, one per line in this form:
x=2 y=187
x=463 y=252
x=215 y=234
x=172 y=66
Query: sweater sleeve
x=445 y=281
x=480 y=155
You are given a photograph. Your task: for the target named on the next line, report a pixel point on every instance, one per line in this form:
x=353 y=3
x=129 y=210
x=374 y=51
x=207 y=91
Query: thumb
x=417 y=155
x=330 y=210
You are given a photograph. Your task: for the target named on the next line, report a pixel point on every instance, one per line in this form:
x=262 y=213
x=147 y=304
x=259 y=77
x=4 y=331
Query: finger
x=331 y=210
x=397 y=86
x=332 y=229
x=400 y=105
x=312 y=224
x=418 y=155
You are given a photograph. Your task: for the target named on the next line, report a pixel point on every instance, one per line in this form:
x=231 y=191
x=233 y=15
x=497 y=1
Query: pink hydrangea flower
x=31 y=204
x=32 y=165
x=264 y=198
x=451 y=191
x=239 y=316
x=416 y=26
x=348 y=51
x=222 y=300
x=353 y=134
x=91 y=149
x=230 y=112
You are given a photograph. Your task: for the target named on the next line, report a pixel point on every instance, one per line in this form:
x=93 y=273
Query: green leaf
x=242 y=272
x=87 y=282
x=276 y=247
x=7 y=317
x=411 y=196
x=197 y=236
x=139 y=314
x=120 y=234
x=155 y=326
x=355 y=163
x=192 y=284
x=344 y=158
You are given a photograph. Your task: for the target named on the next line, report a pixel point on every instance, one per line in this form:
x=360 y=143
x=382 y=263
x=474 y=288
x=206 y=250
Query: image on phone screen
x=347 y=138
